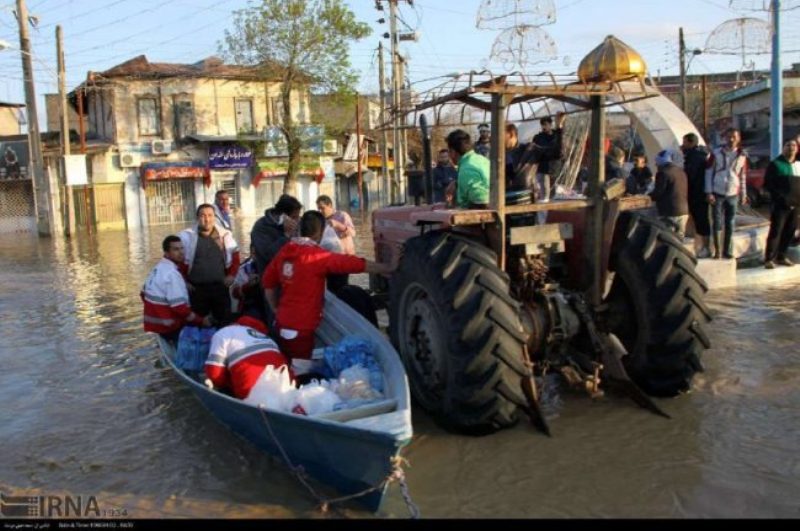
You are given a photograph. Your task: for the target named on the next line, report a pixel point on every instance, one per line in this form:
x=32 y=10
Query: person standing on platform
x=695 y=160
x=725 y=189
x=782 y=180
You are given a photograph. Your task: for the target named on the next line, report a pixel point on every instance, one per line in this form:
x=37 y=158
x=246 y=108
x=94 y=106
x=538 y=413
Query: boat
x=352 y=450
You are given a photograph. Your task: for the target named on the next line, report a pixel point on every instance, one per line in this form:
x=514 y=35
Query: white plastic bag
x=330 y=240
x=353 y=385
x=273 y=390
x=315 y=398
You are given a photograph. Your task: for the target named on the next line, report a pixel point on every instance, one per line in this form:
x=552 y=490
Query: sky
x=102 y=33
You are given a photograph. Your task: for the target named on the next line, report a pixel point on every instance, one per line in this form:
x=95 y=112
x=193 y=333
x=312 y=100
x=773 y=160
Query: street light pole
x=682 y=53
x=36 y=164
x=776 y=107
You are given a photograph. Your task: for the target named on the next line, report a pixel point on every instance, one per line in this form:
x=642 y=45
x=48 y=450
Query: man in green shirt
x=473 y=171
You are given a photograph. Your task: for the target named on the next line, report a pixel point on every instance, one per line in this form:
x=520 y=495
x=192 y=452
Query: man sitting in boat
x=238 y=355
x=300 y=269
x=211 y=264
x=165 y=297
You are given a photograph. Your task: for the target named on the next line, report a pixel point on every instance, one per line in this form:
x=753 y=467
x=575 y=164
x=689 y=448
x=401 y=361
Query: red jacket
x=166 y=301
x=238 y=355
x=300 y=269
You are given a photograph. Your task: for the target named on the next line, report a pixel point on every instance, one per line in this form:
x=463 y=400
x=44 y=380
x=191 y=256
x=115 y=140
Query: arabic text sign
x=174 y=170
x=231 y=156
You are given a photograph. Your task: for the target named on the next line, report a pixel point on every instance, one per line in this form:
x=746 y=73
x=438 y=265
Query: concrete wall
x=9 y=121
x=53 y=118
x=213 y=101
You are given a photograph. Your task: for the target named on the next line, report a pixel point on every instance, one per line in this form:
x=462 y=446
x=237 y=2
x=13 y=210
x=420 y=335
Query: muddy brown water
x=87 y=410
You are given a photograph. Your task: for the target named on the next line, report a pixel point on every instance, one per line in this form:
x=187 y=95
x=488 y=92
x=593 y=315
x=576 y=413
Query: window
x=184 y=119
x=148 y=115
x=277 y=111
x=244 y=116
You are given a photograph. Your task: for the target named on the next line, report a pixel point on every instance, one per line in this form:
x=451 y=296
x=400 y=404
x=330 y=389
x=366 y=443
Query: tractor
x=483 y=300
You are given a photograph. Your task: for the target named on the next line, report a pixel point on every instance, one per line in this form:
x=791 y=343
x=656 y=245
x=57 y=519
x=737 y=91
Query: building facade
x=163 y=138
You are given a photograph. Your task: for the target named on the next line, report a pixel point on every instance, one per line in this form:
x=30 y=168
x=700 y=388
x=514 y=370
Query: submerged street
x=88 y=410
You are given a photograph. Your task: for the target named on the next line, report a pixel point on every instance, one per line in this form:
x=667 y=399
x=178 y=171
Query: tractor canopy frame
x=495 y=96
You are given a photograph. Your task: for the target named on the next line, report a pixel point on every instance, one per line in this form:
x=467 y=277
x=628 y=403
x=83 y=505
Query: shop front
x=271 y=174
x=170 y=190
x=17 y=206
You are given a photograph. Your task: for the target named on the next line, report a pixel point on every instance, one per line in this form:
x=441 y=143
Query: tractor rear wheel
x=458 y=332
x=655 y=306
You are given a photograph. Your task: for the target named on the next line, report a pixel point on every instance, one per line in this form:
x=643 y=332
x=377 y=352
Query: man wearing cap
x=238 y=355
x=725 y=188
x=671 y=192
x=484 y=144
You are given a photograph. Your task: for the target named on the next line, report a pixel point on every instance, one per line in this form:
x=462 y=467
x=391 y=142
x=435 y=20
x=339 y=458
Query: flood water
x=87 y=410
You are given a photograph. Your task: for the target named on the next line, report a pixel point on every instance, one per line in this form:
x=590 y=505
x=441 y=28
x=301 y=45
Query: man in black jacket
x=695 y=160
x=548 y=141
x=274 y=229
x=782 y=180
x=670 y=192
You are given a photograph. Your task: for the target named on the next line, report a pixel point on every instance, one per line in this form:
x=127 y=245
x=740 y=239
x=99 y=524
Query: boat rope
x=397 y=474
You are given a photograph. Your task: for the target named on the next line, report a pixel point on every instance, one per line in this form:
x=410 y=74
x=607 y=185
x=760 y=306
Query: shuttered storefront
x=170 y=202
x=17 y=207
x=109 y=201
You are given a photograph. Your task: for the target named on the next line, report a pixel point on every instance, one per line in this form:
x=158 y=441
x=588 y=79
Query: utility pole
x=705 y=107
x=401 y=67
x=384 y=134
x=399 y=155
x=81 y=92
x=36 y=164
x=359 y=154
x=776 y=110
x=64 y=115
x=682 y=53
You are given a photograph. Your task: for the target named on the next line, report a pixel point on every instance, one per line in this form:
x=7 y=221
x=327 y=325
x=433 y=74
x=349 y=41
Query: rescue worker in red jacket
x=299 y=270
x=238 y=355
x=165 y=297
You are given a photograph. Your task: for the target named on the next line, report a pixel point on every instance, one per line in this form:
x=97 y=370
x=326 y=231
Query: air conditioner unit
x=130 y=160
x=161 y=147
x=330 y=146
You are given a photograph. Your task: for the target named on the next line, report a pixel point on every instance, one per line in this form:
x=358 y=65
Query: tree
x=306 y=42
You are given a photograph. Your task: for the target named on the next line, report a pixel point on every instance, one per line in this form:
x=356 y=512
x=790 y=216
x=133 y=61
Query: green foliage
x=304 y=43
x=297 y=38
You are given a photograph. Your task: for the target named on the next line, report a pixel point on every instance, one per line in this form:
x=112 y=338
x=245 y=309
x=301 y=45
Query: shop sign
x=229 y=157
x=278 y=168
x=14 y=161
x=165 y=171
x=311 y=136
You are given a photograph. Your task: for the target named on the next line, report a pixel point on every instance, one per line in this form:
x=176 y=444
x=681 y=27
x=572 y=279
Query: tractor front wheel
x=458 y=332
x=655 y=306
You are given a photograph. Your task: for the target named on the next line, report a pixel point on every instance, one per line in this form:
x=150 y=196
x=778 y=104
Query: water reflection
x=87 y=409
